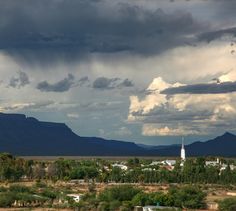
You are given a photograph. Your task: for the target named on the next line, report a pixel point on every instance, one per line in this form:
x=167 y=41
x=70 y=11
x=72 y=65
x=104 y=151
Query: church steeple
x=183 y=151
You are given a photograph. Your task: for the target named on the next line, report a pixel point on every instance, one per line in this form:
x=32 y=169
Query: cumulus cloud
x=225 y=83
x=103 y=83
x=155 y=130
x=60 y=86
x=19 y=81
x=182 y=114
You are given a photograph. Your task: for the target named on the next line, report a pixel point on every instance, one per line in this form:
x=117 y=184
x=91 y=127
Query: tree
x=142 y=199
x=190 y=197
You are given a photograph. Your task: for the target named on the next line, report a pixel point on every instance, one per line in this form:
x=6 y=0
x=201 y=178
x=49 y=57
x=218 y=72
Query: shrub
x=19 y=189
x=6 y=199
x=120 y=193
x=227 y=204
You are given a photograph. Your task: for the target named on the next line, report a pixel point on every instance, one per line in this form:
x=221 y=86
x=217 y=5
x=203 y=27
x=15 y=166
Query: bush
x=227 y=204
x=120 y=193
x=104 y=206
x=19 y=189
x=6 y=199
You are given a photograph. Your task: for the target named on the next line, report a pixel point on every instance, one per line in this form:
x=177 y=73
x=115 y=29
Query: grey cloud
x=213 y=35
x=166 y=114
x=106 y=105
x=82 y=81
x=19 y=81
x=44 y=29
x=63 y=85
x=225 y=9
x=126 y=83
x=212 y=88
x=103 y=83
x=60 y=86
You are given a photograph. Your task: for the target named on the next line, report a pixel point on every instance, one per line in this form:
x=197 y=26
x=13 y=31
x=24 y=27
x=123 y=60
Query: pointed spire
x=183 y=151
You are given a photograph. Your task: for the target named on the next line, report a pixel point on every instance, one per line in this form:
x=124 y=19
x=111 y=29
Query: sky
x=148 y=71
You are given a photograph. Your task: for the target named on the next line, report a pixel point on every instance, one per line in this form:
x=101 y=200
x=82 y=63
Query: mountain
x=21 y=135
x=224 y=145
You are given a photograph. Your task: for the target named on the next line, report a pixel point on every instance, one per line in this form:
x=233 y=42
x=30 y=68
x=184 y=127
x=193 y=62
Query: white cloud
x=123 y=131
x=73 y=115
x=19 y=106
x=182 y=114
x=154 y=130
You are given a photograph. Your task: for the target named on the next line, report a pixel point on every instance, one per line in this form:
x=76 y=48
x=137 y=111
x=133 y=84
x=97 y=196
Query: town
x=143 y=183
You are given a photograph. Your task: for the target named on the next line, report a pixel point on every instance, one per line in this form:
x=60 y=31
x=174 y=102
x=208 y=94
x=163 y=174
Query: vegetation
x=127 y=197
x=139 y=171
x=22 y=196
x=119 y=197
x=228 y=204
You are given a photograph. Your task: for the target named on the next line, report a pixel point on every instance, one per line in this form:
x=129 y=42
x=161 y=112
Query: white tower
x=183 y=151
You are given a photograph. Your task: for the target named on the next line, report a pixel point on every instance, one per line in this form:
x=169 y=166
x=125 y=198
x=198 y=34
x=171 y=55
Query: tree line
x=99 y=170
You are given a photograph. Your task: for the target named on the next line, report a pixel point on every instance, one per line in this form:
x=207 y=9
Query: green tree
x=191 y=197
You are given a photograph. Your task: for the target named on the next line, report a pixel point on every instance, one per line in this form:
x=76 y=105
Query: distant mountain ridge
x=21 y=135
x=223 y=145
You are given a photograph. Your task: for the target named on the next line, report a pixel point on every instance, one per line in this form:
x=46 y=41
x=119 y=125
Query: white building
x=169 y=162
x=121 y=166
x=213 y=163
x=155 y=163
x=75 y=197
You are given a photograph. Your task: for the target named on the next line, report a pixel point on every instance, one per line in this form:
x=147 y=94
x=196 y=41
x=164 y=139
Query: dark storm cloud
x=213 y=88
x=210 y=36
x=19 y=81
x=225 y=9
x=41 y=29
x=224 y=13
x=60 y=86
x=103 y=83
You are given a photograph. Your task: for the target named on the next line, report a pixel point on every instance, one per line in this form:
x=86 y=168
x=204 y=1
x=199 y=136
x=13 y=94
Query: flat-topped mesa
x=55 y=125
x=22 y=135
x=13 y=116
